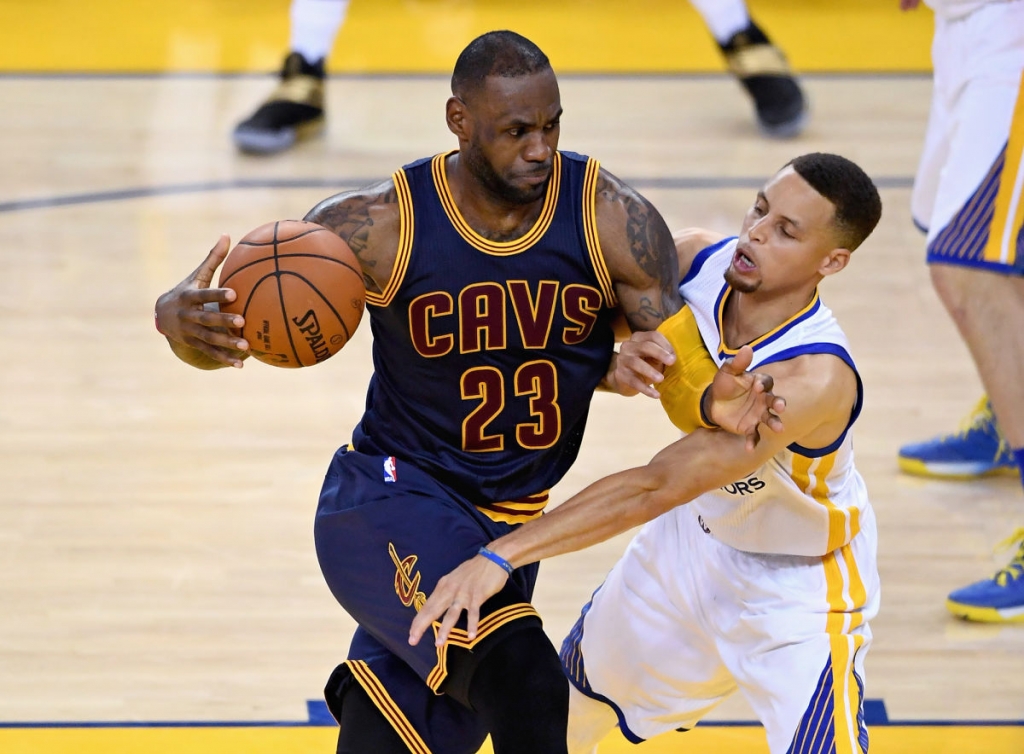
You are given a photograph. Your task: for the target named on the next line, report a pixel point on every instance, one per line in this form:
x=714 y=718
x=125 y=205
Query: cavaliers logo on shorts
x=407 y=582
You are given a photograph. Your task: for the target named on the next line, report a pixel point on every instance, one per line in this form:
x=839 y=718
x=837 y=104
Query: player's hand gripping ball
x=299 y=288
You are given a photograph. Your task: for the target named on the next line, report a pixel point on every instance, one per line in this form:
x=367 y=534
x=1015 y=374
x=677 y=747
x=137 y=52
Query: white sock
x=314 y=26
x=723 y=17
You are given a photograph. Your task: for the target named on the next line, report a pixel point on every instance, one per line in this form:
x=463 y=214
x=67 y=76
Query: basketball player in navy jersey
x=493 y=274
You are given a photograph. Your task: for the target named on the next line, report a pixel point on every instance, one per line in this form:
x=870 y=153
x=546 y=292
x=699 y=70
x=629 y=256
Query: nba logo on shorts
x=390 y=469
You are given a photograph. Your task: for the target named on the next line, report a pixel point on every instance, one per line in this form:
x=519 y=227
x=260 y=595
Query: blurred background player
x=295 y=109
x=968 y=198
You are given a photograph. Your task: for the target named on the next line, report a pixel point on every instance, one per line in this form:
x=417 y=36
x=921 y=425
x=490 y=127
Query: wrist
x=705 y=413
x=495 y=558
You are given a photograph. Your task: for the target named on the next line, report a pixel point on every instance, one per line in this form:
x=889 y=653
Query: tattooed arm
x=369 y=221
x=639 y=252
x=189 y=314
x=641 y=258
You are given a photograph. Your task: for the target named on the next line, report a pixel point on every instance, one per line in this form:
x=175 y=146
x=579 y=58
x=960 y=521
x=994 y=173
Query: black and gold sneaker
x=763 y=71
x=295 y=109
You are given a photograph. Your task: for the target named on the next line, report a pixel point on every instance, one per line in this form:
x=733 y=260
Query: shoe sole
x=962 y=471
x=986 y=614
x=787 y=130
x=272 y=142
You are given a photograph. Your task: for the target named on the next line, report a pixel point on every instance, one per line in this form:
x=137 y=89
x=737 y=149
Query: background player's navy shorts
x=385 y=533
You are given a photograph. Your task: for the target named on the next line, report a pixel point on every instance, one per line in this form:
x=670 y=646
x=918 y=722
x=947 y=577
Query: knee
x=524 y=664
x=956 y=288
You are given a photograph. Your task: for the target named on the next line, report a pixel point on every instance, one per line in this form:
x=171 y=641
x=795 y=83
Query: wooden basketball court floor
x=158 y=586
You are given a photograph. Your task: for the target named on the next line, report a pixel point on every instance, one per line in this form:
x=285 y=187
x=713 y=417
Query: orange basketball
x=299 y=288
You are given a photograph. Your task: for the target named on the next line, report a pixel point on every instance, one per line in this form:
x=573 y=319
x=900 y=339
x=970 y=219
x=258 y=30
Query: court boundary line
x=318 y=715
x=645 y=183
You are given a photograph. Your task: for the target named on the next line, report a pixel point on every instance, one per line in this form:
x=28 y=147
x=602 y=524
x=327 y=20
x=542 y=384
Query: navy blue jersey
x=486 y=354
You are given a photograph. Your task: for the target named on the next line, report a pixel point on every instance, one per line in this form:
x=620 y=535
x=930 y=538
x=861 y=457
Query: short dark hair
x=858 y=206
x=496 y=53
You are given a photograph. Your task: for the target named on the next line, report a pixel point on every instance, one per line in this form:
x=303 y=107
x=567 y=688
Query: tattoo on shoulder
x=351 y=216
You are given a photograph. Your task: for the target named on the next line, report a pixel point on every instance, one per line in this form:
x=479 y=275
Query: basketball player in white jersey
x=969 y=198
x=766 y=580
x=295 y=108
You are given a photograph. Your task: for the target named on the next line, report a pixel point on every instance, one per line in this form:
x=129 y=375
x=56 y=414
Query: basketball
x=299 y=288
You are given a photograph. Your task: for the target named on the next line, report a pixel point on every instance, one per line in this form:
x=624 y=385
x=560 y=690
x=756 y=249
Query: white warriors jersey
x=951 y=9
x=803 y=501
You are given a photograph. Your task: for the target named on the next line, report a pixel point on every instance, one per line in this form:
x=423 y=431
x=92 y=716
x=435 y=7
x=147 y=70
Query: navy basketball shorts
x=385 y=533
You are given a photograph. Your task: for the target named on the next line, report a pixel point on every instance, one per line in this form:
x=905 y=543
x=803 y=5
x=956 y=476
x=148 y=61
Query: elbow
x=660 y=494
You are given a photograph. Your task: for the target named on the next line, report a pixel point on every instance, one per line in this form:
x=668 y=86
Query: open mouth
x=742 y=262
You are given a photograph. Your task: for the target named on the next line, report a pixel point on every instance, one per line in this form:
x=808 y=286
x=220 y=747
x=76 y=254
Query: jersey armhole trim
x=702 y=256
x=405 y=233
x=842 y=353
x=604 y=277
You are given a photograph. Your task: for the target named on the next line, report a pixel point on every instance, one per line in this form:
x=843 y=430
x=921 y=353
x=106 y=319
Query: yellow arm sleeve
x=686 y=379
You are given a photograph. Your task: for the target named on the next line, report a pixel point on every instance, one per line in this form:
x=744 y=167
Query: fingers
x=451 y=617
x=203 y=274
x=740 y=362
x=650 y=345
x=431 y=611
x=640 y=363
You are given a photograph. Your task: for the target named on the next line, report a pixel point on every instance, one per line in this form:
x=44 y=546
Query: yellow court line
x=427 y=35
x=889 y=739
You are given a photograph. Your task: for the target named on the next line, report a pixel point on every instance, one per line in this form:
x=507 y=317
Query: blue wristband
x=497 y=559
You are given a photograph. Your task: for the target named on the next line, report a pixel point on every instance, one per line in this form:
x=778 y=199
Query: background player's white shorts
x=683 y=621
x=964 y=178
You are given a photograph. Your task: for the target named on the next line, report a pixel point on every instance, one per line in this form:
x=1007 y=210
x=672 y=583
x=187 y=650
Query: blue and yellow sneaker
x=999 y=599
x=977 y=449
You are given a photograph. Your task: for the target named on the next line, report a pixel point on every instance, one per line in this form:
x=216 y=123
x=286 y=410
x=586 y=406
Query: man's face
x=786 y=235
x=514 y=135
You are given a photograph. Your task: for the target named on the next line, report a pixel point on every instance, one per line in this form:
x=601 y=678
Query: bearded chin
x=739 y=284
x=498 y=186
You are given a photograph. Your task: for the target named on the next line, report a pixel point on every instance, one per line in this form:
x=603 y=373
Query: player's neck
x=749 y=316
x=492 y=216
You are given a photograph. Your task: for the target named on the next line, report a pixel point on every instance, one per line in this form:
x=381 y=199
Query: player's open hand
x=740 y=401
x=182 y=314
x=640 y=364
x=465 y=588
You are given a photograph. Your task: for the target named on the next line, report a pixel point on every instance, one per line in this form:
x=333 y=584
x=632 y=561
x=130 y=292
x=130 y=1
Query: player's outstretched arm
x=824 y=392
x=188 y=316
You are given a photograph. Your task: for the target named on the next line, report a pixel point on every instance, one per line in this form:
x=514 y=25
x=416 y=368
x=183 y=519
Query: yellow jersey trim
x=392 y=712
x=474 y=239
x=726 y=350
x=604 y=278
x=405 y=234
x=459 y=638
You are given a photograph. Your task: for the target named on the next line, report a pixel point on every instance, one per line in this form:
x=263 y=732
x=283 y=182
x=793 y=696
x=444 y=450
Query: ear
x=834 y=262
x=457 y=117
